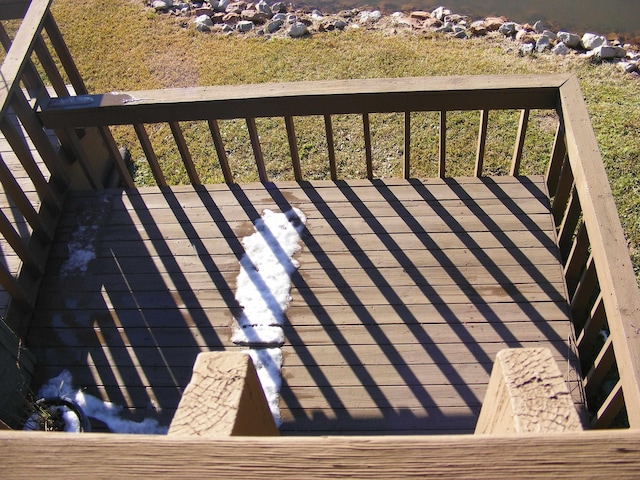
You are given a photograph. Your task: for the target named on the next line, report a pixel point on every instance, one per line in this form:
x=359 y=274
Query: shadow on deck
x=405 y=292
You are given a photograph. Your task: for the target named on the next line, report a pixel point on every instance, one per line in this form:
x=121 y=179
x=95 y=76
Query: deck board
x=405 y=292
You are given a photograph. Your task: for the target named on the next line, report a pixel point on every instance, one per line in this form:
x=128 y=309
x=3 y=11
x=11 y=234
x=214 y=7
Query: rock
x=368 y=16
x=526 y=37
x=279 y=7
x=264 y=9
x=478 y=28
x=432 y=23
x=459 y=32
x=298 y=30
x=236 y=7
x=571 y=40
x=274 y=26
x=203 y=11
x=560 y=49
x=291 y=18
x=508 y=29
x=340 y=24
x=608 y=52
x=316 y=15
x=526 y=49
x=543 y=43
x=440 y=13
x=420 y=15
x=244 y=26
x=220 y=6
x=550 y=35
x=590 y=41
x=279 y=16
x=231 y=18
x=203 y=23
x=254 y=16
x=539 y=26
x=628 y=67
x=446 y=28
x=162 y=5
x=494 y=23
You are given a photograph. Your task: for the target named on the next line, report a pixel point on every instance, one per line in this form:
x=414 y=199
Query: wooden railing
x=602 y=291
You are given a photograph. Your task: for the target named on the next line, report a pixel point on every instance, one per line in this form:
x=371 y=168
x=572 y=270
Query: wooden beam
x=308 y=98
x=223 y=398
x=608 y=244
x=527 y=394
x=602 y=454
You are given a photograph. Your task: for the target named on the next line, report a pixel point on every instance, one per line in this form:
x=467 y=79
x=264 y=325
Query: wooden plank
x=19 y=53
x=257 y=150
x=333 y=174
x=600 y=368
x=610 y=408
x=557 y=160
x=519 y=146
x=185 y=155
x=293 y=148
x=367 y=145
x=147 y=148
x=482 y=140
x=406 y=157
x=615 y=272
x=609 y=453
x=220 y=150
x=311 y=98
x=442 y=163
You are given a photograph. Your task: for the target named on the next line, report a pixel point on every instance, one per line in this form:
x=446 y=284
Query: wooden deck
x=406 y=291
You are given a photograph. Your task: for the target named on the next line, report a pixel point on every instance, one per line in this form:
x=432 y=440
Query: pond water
x=579 y=16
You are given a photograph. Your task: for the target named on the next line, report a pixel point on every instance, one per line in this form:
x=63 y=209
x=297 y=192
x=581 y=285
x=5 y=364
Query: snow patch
x=107 y=412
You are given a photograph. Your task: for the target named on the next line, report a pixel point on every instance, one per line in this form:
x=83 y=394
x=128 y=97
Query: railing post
x=223 y=398
x=527 y=394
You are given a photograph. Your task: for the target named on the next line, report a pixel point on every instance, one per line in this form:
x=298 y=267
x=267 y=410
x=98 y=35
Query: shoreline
x=279 y=19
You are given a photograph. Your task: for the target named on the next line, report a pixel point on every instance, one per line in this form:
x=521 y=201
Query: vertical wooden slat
x=40 y=139
x=222 y=154
x=406 y=170
x=69 y=138
x=64 y=55
x=328 y=128
x=517 y=152
x=576 y=259
x=482 y=140
x=561 y=197
x=30 y=77
x=114 y=152
x=293 y=148
x=367 y=145
x=257 y=150
x=13 y=287
x=50 y=68
x=610 y=408
x=18 y=245
x=22 y=151
x=184 y=153
x=568 y=226
x=147 y=148
x=592 y=327
x=584 y=291
x=601 y=366
x=17 y=195
x=558 y=156
x=443 y=144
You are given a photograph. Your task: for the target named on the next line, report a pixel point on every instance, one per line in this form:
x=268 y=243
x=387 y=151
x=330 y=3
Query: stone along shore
x=283 y=20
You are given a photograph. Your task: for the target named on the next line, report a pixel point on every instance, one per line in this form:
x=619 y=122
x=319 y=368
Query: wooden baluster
x=367 y=145
x=328 y=127
x=576 y=259
x=442 y=172
x=15 y=290
x=517 y=152
x=579 y=303
x=568 y=226
x=257 y=150
x=147 y=148
x=561 y=197
x=50 y=67
x=19 y=246
x=592 y=327
x=610 y=407
x=598 y=371
x=222 y=154
x=64 y=55
x=406 y=170
x=482 y=140
x=293 y=148
x=22 y=151
x=184 y=153
x=558 y=157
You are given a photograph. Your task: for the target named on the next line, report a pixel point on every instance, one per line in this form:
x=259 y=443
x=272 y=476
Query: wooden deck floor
x=406 y=291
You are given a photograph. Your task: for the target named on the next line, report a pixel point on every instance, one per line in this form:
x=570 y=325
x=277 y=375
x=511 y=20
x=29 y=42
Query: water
x=579 y=16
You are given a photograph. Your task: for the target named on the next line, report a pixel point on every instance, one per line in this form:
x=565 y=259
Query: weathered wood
x=603 y=453
x=562 y=193
x=331 y=151
x=601 y=366
x=558 y=157
x=223 y=398
x=257 y=149
x=592 y=327
x=610 y=407
x=609 y=248
x=406 y=157
x=482 y=140
x=293 y=148
x=442 y=149
x=222 y=154
x=527 y=394
x=367 y=146
x=147 y=148
x=185 y=155
x=311 y=98
x=567 y=229
x=576 y=259
x=519 y=146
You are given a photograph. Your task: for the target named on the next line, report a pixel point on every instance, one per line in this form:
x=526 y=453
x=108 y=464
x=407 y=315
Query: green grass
x=129 y=48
